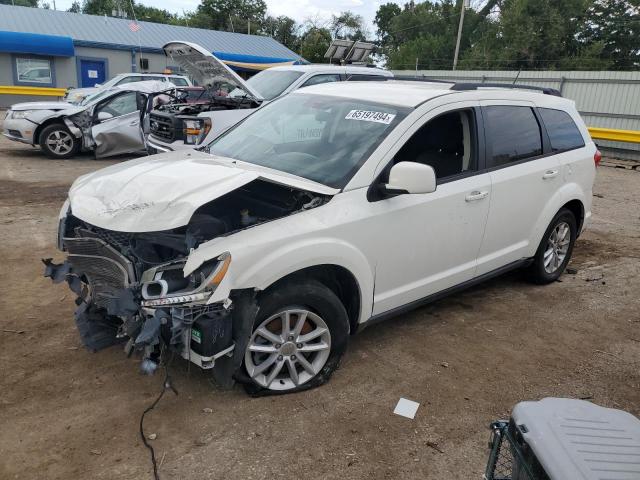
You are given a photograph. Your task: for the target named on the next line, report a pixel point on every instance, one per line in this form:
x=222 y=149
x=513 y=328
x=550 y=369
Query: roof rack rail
x=462 y=86
x=415 y=78
x=476 y=85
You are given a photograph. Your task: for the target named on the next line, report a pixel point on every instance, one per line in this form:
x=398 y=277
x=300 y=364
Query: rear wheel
x=298 y=338
x=555 y=249
x=56 y=141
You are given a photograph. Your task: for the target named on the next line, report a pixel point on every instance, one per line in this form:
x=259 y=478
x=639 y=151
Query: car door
x=524 y=174
x=429 y=242
x=116 y=125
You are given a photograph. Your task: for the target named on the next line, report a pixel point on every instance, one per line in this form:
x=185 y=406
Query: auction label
x=369 y=116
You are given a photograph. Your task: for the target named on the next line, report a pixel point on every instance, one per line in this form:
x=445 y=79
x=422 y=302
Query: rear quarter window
x=562 y=130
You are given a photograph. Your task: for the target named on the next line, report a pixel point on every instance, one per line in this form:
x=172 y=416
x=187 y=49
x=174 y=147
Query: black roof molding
x=464 y=86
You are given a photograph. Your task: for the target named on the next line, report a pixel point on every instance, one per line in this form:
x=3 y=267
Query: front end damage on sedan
x=131 y=285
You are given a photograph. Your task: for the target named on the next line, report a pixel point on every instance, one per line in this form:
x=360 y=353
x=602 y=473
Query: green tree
x=536 y=34
x=75 y=7
x=314 y=44
x=229 y=15
x=142 y=12
x=613 y=27
x=347 y=25
x=426 y=33
x=284 y=29
x=384 y=17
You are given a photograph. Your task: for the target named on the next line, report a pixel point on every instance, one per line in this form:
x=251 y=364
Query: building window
x=34 y=71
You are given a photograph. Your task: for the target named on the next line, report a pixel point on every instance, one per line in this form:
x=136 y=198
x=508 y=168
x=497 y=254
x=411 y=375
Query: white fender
x=565 y=194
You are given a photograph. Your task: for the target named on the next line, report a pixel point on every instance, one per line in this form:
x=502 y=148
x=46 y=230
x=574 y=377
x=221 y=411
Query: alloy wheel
x=60 y=142
x=288 y=349
x=557 y=247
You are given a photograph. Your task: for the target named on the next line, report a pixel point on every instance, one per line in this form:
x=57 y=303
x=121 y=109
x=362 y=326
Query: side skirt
x=444 y=293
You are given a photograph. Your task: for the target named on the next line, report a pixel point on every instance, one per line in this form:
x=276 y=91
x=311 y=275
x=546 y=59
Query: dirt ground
x=66 y=413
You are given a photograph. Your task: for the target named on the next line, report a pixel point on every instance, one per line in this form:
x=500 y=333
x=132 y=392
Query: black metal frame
x=506 y=461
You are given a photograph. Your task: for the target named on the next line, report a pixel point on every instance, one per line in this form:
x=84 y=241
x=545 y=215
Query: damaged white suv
x=324 y=211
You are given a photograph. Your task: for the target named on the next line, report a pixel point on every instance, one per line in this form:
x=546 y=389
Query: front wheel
x=554 y=251
x=299 y=336
x=56 y=141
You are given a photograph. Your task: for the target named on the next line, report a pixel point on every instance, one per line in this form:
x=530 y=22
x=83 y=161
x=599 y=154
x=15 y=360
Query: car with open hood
x=324 y=211
x=111 y=122
x=176 y=126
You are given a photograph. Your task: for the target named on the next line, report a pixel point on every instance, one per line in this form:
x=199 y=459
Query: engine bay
x=256 y=202
x=215 y=103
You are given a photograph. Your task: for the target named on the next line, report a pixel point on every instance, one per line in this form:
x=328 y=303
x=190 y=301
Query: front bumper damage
x=111 y=310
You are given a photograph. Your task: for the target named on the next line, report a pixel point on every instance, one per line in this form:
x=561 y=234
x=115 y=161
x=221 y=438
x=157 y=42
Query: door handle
x=550 y=174
x=134 y=123
x=476 y=195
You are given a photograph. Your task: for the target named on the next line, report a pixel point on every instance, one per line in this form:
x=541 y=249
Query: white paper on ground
x=406 y=408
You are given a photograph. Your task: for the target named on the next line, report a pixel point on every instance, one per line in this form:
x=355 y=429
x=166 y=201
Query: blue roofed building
x=43 y=52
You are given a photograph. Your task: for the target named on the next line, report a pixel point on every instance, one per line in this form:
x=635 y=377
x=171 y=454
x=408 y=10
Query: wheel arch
x=43 y=125
x=570 y=196
x=338 y=279
x=576 y=207
x=261 y=268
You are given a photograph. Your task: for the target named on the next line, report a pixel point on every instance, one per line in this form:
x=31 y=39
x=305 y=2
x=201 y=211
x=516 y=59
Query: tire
x=311 y=307
x=549 y=262
x=56 y=141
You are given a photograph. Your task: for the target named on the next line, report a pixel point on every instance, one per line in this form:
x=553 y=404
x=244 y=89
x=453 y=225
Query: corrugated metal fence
x=604 y=99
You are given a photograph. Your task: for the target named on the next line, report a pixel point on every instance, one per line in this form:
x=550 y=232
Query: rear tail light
x=597 y=157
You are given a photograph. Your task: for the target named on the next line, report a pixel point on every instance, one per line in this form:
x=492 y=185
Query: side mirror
x=411 y=177
x=102 y=116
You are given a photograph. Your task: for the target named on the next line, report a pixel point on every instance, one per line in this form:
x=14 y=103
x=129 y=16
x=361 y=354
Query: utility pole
x=465 y=4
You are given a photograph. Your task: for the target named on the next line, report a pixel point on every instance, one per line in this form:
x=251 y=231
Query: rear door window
x=367 y=78
x=324 y=78
x=180 y=82
x=562 y=130
x=513 y=134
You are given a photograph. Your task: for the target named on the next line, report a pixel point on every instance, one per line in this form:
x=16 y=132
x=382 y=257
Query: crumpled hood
x=163 y=191
x=42 y=106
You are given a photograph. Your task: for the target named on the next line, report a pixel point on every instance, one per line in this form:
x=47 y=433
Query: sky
x=299 y=10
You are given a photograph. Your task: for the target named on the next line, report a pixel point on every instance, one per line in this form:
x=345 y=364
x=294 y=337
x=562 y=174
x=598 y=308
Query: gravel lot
x=66 y=413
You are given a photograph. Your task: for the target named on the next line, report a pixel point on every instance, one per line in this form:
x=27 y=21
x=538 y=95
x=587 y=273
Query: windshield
x=321 y=138
x=269 y=83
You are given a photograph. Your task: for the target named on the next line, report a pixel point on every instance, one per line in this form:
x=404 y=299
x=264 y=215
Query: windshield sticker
x=369 y=116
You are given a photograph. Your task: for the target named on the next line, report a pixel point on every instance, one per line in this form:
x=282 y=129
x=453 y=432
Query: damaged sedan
x=333 y=207
x=111 y=122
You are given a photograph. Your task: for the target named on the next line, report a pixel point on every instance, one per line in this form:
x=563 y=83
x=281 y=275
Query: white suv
x=324 y=211
x=77 y=95
x=177 y=126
